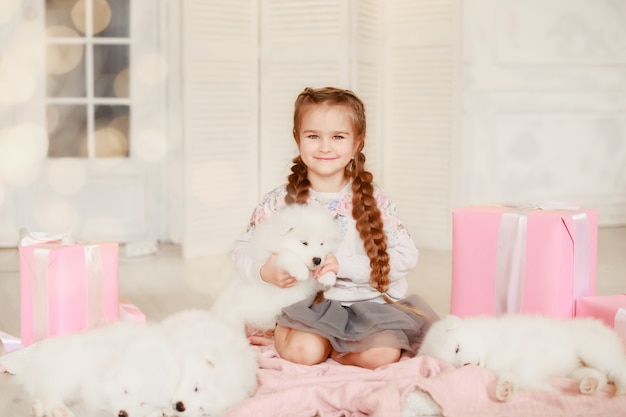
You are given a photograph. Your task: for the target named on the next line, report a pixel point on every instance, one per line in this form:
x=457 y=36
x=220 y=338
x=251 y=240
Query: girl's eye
x=305 y=243
x=457 y=349
x=338 y=137
x=313 y=137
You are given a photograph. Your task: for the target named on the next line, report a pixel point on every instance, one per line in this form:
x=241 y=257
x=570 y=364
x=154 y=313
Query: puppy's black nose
x=122 y=413
x=180 y=406
x=317 y=261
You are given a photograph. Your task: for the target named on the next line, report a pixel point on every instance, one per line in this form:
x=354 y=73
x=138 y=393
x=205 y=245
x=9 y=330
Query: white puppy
x=83 y=367
x=218 y=364
x=301 y=236
x=525 y=351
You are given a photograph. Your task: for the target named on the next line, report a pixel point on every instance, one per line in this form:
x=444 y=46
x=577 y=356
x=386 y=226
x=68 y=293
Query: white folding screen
x=303 y=44
x=220 y=123
x=421 y=85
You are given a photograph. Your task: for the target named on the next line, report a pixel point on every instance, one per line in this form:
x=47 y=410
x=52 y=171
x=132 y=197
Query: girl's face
x=327 y=144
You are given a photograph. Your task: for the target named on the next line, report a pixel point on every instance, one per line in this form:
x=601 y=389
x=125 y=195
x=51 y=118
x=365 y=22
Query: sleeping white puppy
x=218 y=365
x=525 y=351
x=85 y=368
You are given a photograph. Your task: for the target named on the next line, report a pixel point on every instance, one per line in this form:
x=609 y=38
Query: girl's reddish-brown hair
x=369 y=222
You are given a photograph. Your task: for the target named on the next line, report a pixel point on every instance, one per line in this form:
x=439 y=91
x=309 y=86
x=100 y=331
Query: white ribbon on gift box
x=620 y=323
x=95 y=279
x=511 y=254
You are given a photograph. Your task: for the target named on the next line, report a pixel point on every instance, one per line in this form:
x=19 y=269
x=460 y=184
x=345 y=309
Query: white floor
x=165 y=282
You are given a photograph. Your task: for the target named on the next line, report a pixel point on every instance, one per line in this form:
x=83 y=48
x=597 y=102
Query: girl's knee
x=377 y=357
x=304 y=348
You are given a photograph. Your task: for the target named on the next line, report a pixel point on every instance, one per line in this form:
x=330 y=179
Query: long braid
x=298 y=183
x=369 y=224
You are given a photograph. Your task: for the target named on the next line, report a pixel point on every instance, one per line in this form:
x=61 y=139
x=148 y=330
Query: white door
x=82 y=138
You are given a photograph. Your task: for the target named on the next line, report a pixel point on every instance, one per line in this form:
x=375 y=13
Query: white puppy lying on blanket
x=108 y=368
x=218 y=365
x=524 y=351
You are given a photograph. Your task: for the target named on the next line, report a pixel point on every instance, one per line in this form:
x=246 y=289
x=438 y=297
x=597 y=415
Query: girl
x=363 y=320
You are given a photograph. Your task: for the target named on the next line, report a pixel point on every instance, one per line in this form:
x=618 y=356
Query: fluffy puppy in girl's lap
x=366 y=318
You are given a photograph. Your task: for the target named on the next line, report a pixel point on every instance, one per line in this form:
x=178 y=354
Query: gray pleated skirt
x=364 y=324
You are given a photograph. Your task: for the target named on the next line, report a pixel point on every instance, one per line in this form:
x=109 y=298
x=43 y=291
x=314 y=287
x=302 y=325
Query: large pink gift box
x=611 y=309
x=67 y=288
x=522 y=260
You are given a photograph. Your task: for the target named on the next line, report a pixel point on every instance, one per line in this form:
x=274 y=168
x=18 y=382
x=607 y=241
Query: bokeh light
x=55 y=215
x=101 y=15
x=18 y=76
x=150 y=145
x=104 y=227
x=215 y=183
x=62 y=58
x=8 y=10
x=23 y=148
x=52 y=118
x=121 y=83
x=150 y=69
x=109 y=142
x=66 y=175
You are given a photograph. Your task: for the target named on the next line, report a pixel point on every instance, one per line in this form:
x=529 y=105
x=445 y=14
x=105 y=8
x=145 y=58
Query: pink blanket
x=332 y=390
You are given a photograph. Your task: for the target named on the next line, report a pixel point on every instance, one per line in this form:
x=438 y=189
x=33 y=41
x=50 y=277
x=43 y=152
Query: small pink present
x=509 y=259
x=611 y=309
x=129 y=311
x=66 y=286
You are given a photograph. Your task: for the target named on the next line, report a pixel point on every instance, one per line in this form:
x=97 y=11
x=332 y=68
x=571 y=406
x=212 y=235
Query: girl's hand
x=272 y=274
x=330 y=265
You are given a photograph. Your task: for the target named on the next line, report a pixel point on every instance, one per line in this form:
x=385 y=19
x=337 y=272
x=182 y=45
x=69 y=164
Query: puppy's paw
x=328 y=279
x=61 y=411
x=504 y=389
x=299 y=272
x=37 y=408
x=588 y=385
x=590 y=380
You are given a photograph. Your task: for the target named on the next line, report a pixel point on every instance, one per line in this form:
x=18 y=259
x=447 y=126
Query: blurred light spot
x=101 y=15
x=55 y=216
x=22 y=150
x=215 y=183
x=18 y=78
x=102 y=228
x=120 y=84
x=61 y=32
x=52 y=118
x=66 y=175
x=110 y=142
x=150 y=145
x=62 y=58
x=8 y=9
x=150 y=69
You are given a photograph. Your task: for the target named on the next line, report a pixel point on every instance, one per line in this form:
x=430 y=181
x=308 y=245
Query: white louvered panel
x=220 y=73
x=304 y=44
x=367 y=76
x=420 y=114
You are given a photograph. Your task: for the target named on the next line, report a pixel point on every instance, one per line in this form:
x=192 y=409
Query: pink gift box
x=611 y=309
x=67 y=288
x=129 y=311
x=522 y=260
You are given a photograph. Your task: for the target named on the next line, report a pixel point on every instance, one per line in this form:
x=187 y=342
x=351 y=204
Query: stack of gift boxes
x=66 y=287
x=529 y=259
